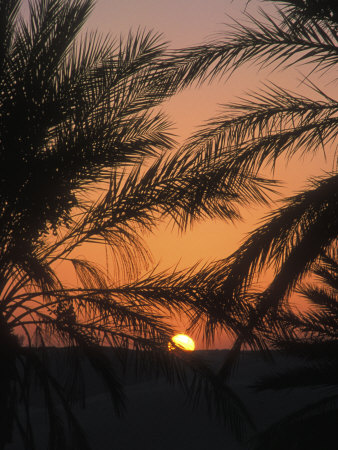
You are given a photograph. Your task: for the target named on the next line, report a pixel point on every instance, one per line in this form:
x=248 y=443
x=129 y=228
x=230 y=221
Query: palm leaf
x=283 y=240
x=312 y=338
x=305 y=10
x=266 y=125
x=267 y=41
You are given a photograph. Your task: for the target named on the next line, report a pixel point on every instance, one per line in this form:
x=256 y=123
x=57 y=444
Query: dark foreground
x=159 y=418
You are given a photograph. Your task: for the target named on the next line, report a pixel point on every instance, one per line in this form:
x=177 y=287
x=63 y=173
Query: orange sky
x=188 y=22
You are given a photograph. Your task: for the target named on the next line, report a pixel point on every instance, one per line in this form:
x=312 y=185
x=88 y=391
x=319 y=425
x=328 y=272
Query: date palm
x=313 y=337
x=85 y=160
x=267 y=125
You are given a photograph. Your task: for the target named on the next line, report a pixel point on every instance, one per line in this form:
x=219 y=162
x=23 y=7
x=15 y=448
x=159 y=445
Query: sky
x=189 y=22
x=184 y=23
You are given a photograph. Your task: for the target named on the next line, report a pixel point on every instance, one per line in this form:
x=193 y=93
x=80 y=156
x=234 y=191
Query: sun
x=183 y=342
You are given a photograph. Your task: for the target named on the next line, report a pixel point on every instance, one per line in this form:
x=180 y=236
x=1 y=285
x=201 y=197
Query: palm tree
x=256 y=132
x=84 y=160
x=313 y=337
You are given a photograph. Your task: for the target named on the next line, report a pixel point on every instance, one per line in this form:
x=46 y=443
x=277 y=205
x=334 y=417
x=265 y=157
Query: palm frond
x=312 y=338
x=87 y=112
x=266 y=41
x=77 y=114
x=319 y=297
x=327 y=270
x=182 y=189
x=127 y=323
x=299 y=236
x=8 y=12
x=266 y=125
x=309 y=349
x=53 y=388
x=291 y=239
x=306 y=10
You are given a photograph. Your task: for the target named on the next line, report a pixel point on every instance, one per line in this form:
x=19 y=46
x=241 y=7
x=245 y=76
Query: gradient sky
x=189 y=22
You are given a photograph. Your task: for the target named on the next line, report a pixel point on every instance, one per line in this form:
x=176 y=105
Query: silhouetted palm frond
x=266 y=125
x=267 y=41
x=81 y=163
x=181 y=189
x=255 y=132
x=305 y=10
x=312 y=338
x=79 y=125
x=291 y=240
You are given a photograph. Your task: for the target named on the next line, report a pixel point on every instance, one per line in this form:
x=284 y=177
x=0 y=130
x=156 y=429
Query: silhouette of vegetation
x=313 y=337
x=85 y=160
x=256 y=132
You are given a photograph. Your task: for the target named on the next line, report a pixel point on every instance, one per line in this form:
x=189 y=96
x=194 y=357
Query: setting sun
x=183 y=342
